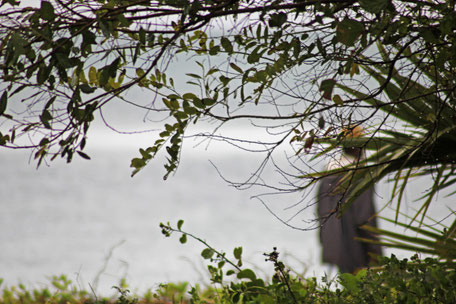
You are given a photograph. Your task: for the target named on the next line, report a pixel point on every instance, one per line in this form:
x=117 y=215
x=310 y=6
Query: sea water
x=70 y=218
x=93 y=222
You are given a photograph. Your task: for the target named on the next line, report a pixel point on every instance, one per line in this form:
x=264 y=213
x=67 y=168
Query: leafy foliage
x=401 y=281
x=428 y=239
x=298 y=70
x=62 y=291
x=421 y=149
x=396 y=281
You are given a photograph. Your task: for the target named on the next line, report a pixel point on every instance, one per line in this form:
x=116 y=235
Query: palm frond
x=429 y=240
x=425 y=146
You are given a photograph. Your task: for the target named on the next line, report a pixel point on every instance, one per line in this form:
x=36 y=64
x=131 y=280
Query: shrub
x=416 y=280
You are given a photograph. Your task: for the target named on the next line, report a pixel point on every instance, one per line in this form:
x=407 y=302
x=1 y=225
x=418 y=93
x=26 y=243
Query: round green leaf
x=348 y=31
x=47 y=11
x=246 y=274
x=207 y=253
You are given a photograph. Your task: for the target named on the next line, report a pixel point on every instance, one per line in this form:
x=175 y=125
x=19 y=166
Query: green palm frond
x=428 y=240
x=427 y=146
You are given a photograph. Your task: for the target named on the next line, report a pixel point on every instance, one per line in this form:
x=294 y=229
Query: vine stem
x=168 y=229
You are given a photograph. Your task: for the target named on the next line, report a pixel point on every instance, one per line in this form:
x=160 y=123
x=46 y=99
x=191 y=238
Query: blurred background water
x=70 y=218
x=67 y=218
x=91 y=221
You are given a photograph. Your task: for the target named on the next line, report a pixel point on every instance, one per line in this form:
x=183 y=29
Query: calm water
x=65 y=219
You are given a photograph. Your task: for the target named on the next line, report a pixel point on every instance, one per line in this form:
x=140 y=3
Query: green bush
x=402 y=281
x=395 y=281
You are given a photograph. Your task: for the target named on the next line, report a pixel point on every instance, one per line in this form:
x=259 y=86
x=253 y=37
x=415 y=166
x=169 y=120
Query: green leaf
x=189 y=110
x=254 y=56
x=83 y=155
x=45 y=117
x=207 y=253
x=112 y=68
x=321 y=122
x=277 y=20
x=63 y=60
x=348 y=31
x=173 y=96
x=224 y=80
x=88 y=38
x=180 y=115
x=246 y=274
x=12 y=3
x=373 y=6
x=145 y=153
x=208 y=101
x=429 y=36
x=44 y=141
x=260 y=283
x=106 y=27
x=137 y=163
x=212 y=71
x=3 y=102
x=169 y=128
x=349 y=281
x=179 y=224
x=104 y=77
x=140 y=72
x=43 y=74
x=226 y=44
x=164 y=134
x=85 y=88
x=327 y=87
x=142 y=36
x=193 y=75
x=419 y=244
x=237 y=252
x=47 y=11
x=221 y=264
x=361 y=274
x=183 y=239
x=18 y=89
x=236 y=68
x=190 y=96
x=174 y=104
x=338 y=100
x=198 y=103
x=93 y=79
x=214 y=50
x=3 y=139
x=320 y=47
